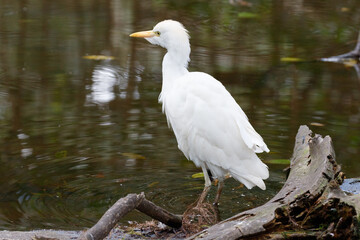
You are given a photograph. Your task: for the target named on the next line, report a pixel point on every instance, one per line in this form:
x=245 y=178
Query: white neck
x=174 y=66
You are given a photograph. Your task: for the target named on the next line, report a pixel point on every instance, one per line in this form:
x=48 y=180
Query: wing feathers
x=213 y=131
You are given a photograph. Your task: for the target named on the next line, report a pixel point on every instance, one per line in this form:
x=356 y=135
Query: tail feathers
x=262 y=170
x=250 y=181
x=251 y=167
x=251 y=175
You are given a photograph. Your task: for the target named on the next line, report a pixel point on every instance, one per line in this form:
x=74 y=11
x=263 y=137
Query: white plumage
x=210 y=127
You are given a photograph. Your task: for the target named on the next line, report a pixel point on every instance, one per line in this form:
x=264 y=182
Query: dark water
x=77 y=134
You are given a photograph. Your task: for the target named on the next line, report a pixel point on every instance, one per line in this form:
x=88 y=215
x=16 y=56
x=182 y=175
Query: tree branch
x=160 y=214
x=122 y=207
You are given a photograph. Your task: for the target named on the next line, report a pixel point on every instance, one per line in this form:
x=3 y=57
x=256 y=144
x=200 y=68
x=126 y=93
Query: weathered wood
x=311 y=189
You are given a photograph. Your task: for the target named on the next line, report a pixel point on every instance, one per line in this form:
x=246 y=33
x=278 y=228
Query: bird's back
x=212 y=130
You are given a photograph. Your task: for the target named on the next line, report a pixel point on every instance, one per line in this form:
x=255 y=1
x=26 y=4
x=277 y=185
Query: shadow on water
x=77 y=134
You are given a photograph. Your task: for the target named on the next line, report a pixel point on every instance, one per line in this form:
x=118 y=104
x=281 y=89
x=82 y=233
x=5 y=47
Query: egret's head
x=168 y=34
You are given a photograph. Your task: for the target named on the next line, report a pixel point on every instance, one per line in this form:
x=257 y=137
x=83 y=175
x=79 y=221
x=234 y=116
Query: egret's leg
x=217 y=197
x=207 y=177
x=206 y=188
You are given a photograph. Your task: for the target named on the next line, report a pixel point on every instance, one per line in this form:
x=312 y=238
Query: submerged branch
x=354 y=54
x=357 y=48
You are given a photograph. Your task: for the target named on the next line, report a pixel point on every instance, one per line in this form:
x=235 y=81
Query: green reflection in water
x=76 y=134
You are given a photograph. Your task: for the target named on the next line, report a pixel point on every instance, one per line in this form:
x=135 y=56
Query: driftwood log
x=310 y=205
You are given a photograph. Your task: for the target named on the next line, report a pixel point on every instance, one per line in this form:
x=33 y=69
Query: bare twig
x=122 y=207
x=158 y=213
x=102 y=228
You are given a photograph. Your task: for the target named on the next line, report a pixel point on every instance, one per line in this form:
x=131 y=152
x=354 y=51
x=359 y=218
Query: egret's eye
x=157 y=33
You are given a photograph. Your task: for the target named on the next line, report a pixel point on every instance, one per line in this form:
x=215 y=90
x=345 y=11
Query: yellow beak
x=144 y=34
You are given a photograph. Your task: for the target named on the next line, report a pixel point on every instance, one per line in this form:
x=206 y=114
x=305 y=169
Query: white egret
x=210 y=127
